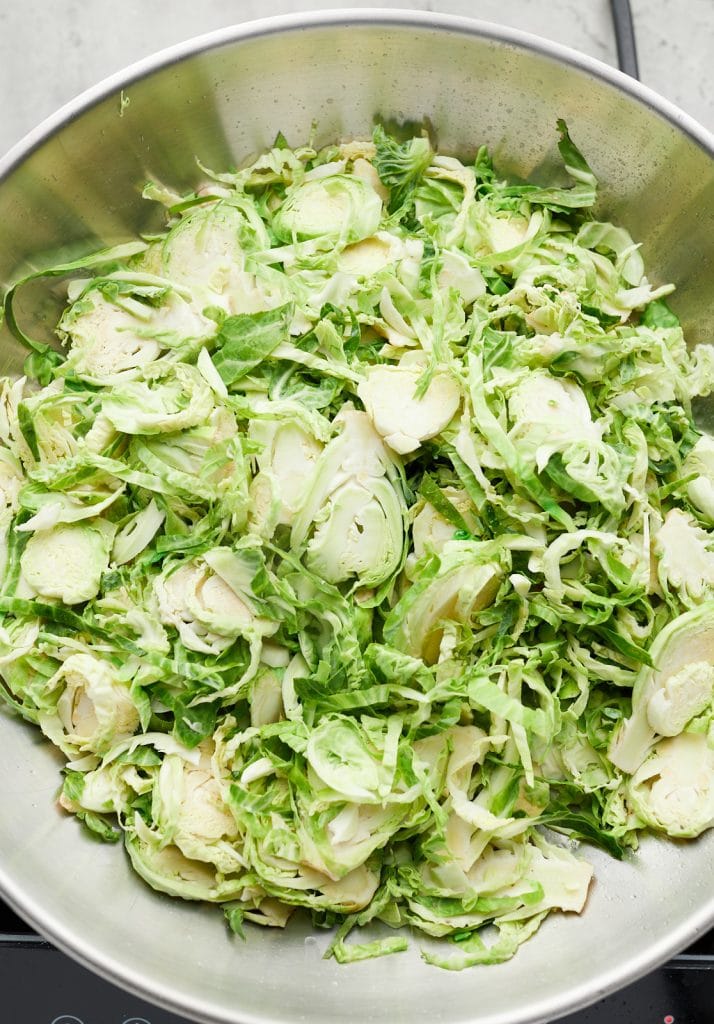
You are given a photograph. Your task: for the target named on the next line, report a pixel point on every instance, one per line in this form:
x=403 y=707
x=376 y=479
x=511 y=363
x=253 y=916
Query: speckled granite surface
x=49 y=52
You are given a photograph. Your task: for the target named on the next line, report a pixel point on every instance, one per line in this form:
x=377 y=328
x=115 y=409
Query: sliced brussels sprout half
x=168 y=870
x=339 y=208
x=431 y=530
x=11 y=480
x=685 y=559
x=700 y=460
x=456 y=272
x=367 y=258
x=402 y=416
x=184 y=400
x=457 y=583
x=549 y=414
x=114 y=337
x=678 y=687
x=188 y=807
x=286 y=463
x=673 y=789
x=209 y=600
x=95 y=710
x=354 y=508
x=67 y=561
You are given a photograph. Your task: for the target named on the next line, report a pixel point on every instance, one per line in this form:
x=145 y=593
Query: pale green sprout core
x=357 y=545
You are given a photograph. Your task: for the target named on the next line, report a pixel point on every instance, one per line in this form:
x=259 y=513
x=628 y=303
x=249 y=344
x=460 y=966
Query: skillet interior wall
x=58 y=50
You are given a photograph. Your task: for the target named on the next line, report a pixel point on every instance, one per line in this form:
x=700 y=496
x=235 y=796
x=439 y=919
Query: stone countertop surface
x=51 y=52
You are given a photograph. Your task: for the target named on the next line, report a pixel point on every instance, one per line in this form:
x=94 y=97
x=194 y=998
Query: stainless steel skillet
x=75 y=183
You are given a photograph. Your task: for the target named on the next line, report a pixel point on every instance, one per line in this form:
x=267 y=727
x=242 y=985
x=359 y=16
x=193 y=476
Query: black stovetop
x=40 y=985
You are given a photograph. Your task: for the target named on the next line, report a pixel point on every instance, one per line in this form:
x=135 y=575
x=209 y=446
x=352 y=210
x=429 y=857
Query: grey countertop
x=50 y=52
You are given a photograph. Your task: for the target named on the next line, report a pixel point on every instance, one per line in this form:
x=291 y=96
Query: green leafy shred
x=245 y=340
x=358 y=547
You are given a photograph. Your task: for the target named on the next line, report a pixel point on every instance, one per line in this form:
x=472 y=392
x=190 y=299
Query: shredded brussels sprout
x=358 y=545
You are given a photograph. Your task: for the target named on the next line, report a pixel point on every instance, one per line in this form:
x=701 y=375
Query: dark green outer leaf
x=245 y=340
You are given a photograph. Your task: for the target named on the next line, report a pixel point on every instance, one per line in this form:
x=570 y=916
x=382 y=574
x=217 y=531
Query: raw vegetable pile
x=360 y=539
